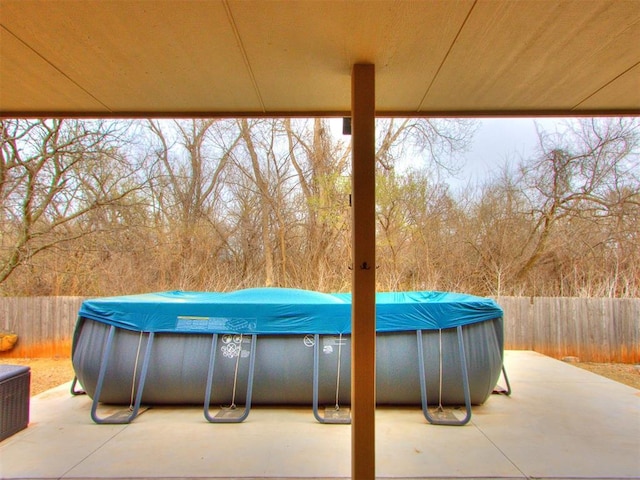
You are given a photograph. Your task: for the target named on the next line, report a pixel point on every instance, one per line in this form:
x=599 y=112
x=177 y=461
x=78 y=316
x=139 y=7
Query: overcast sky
x=496 y=141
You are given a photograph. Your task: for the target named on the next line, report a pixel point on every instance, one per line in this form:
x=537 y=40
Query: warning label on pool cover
x=214 y=324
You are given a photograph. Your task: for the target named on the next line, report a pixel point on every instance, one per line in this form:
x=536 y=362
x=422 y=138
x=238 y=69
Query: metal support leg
x=506 y=379
x=123 y=416
x=465 y=383
x=332 y=419
x=500 y=390
x=229 y=415
x=75 y=392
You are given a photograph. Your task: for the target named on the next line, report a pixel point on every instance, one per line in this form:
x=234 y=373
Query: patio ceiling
x=256 y=57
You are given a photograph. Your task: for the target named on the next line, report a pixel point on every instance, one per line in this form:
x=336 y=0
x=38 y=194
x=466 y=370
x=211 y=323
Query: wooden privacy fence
x=592 y=329
x=44 y=324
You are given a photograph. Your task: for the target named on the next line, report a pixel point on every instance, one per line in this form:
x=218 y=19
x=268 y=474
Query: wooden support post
x=363 y=310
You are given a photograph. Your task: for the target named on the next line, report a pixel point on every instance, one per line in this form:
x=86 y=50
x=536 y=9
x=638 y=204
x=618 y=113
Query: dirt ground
x=47 y=373
x=620 y=372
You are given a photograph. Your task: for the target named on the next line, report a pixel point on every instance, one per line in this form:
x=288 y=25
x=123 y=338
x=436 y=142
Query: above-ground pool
x=273 y=346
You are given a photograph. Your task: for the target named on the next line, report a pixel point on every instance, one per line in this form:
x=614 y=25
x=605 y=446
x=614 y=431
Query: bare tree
x=188 y=186
x=494 y=228
x=411 y=156
x=262 y=161
x=191 y=159
x=321 y=162
x=53 y=175
x=430 y=144
x=589 y=170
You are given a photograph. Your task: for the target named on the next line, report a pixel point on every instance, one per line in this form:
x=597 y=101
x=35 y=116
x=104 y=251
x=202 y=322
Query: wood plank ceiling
x=283 y=57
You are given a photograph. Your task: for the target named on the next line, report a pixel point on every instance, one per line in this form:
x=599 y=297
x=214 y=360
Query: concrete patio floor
x=560 y=422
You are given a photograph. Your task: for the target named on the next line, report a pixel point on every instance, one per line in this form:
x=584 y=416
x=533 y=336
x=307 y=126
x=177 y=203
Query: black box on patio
x=15 y=382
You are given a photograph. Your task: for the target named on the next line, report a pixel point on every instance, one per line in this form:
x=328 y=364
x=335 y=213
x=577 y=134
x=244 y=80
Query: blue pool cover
x=284 y=311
